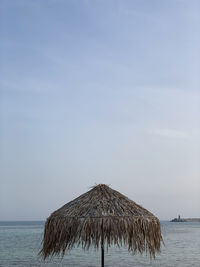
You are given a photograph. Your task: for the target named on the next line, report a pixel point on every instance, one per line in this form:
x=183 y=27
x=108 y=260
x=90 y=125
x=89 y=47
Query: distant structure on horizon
x=179 y=219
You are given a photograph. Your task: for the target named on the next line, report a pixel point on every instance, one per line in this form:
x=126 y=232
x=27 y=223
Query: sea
x=20 y=243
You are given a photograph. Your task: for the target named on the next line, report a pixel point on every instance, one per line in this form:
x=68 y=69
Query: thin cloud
x=169 y=133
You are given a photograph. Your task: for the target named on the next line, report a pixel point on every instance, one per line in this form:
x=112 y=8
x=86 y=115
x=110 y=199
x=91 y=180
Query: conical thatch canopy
x=102 y=215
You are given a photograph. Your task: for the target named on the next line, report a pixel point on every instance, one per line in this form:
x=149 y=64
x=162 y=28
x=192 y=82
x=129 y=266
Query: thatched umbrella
x=101 y=215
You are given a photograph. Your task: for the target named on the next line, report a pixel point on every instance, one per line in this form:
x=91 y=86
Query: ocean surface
x=20 y=243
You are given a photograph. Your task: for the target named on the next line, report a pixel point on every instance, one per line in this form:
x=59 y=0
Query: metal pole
x=102 y=246
x=102 y=256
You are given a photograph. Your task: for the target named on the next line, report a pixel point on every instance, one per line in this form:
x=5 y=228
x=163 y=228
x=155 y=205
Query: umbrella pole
x=102 y=256
x=102 y=246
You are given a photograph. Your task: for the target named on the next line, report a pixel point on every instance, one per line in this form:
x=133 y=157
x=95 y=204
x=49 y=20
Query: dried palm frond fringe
x=101 y=215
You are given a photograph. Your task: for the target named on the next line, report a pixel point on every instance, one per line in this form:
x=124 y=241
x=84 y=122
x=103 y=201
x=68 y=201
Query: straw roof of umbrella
x=101 y=215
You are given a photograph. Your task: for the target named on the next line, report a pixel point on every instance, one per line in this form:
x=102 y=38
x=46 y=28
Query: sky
x=99 y=92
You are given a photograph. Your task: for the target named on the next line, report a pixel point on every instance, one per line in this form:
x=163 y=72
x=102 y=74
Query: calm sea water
x=20 y=243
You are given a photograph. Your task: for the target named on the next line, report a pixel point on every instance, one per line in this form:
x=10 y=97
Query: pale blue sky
x=99 y=92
